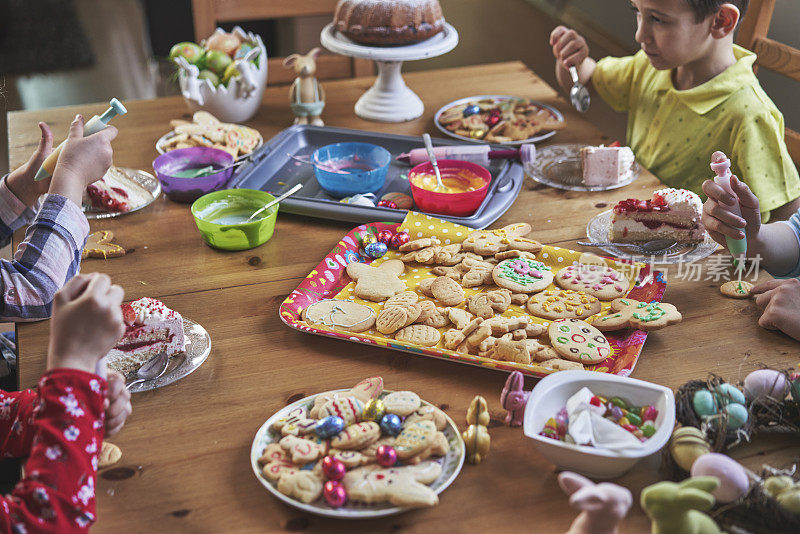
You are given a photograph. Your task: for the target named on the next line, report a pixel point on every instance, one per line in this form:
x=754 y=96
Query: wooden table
x=185 y=465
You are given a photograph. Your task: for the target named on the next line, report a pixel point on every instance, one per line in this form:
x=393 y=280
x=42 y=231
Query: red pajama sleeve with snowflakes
x=61 y=430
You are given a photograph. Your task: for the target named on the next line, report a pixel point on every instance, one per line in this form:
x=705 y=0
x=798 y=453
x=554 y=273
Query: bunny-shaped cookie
x=377 y=283
x=306 y=96
x=677 y=508
x=514 y=398
x=476 y=436
x=602 y=505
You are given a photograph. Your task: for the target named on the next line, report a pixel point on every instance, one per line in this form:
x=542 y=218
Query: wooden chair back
x=207 y=14
x=772 y=55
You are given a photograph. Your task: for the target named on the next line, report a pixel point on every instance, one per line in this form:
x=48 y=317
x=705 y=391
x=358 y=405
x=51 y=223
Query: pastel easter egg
x=687 y=445
x=733 y=481
x=727 y=393
x=737 y=415
x=703 y=403
x=767 y=382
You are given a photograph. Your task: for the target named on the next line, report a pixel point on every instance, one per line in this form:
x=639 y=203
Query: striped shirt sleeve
x=45 y=260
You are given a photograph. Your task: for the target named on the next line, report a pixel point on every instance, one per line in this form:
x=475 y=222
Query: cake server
x=578 y=94
x=150 y=370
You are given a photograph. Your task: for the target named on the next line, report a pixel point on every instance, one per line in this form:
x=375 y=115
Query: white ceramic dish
x=551 y=394
x=451 y=466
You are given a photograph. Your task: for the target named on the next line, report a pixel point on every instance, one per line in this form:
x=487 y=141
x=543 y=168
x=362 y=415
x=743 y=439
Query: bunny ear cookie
x=630 y=313
x=377 y=283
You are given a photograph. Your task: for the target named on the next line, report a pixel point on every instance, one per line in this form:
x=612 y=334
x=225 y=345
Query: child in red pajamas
x=60 y=427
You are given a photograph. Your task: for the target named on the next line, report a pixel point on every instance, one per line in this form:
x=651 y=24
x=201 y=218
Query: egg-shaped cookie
x=522 y=275
x=578 y=341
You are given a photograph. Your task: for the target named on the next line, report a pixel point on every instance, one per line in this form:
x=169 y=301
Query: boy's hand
x=118 y=403
x=569 y=47
x=83 y=160
x=780 y=300
x=87 y=322
x=21 y=182
x=720 y=221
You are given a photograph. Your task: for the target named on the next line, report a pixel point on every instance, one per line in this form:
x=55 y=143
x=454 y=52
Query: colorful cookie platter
x=451 y=464
x=330 y=279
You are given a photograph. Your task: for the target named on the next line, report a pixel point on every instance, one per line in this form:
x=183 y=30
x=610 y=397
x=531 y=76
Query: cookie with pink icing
x=522 y=275
x=599 y=281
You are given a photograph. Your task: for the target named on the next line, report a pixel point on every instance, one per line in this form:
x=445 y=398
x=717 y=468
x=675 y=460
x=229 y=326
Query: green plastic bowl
x=220 y=217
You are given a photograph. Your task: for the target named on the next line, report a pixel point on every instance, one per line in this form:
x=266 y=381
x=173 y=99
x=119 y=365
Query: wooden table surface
x=185 y=464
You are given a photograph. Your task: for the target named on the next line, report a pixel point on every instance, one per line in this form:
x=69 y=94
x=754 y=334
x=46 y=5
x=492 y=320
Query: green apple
x=217 y=61
x=192 y=52
x=210 y=76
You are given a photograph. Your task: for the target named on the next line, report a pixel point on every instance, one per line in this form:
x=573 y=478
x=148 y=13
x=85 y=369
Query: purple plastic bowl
x=190 y=189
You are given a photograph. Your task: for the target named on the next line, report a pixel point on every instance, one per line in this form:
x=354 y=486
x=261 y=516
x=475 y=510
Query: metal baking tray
x=272 y=169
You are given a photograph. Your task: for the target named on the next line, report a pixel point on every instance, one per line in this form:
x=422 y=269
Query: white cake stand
x=390 y=99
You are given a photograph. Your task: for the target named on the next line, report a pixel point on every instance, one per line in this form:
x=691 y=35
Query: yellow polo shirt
x=673 y=133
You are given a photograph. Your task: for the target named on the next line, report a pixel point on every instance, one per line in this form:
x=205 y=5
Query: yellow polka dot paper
x=330 y=280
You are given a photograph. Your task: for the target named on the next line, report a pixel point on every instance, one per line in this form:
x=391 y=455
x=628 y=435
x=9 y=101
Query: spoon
x=291 y=191
x=150 y=370
x=578 y=94
x=429 y=147
x=650 y=247
x=323 y=166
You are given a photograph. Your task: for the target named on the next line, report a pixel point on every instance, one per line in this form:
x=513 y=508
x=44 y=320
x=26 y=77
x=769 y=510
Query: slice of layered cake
x=150 y=327
x=670 y=214
x=116 y=192
x=606 y=165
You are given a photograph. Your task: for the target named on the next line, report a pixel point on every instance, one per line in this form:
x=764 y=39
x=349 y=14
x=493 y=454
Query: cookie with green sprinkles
x=631 y=313
x=522 y=275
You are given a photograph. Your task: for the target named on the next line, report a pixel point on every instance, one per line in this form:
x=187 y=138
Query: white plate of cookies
x=206 y=130
x=288 y=452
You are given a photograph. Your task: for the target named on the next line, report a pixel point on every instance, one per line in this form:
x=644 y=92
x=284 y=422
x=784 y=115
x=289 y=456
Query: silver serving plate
x=451 y=467
x=535 y=139
x=560 y=166
x=144 y=179
x=599 y=228
x=198 y=347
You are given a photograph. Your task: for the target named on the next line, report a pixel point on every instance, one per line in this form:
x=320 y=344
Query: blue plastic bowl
x=365 y=167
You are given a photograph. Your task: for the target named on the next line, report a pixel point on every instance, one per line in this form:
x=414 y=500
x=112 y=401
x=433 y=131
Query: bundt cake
x=388 y=22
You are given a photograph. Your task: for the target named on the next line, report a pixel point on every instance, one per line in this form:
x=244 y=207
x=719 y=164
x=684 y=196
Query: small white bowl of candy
x=598 y=424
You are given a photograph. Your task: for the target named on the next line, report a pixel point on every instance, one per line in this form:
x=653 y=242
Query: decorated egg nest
x=239 y=99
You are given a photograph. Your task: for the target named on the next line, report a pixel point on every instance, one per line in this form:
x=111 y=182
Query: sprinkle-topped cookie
x=599 y=281
x=578 y=341
x=563 y=304
x=522 y=275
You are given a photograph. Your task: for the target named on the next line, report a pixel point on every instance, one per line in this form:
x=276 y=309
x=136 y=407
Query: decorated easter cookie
x=303 y=485
x=401 y=403
x=99 y=245
x=419 y=334
x=356 y=436
x=736 y=290
x=304 y=450
x=522 y=275
x=563 y=304
x=490 y=242
x=399 y=486
x=347 y=407
x=600 y=281
x=414 y=438
x=377 y=283
x=578 y=341
x=340 y=314
x=369 y=388
x=631 y=313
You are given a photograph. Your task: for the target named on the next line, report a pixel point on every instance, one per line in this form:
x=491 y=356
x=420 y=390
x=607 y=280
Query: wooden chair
x=208 y=13
x=772 y=55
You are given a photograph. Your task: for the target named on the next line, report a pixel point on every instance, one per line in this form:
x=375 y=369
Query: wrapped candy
x=472 y=109
x=391 y=424
x=386 y=456
x=334 y=493
x=387 y=204
x=328 y=427
x=373 y=410
x=375 y=250
x=399 y=239
x=333 y=468
x=367 y=239
x=385 y=237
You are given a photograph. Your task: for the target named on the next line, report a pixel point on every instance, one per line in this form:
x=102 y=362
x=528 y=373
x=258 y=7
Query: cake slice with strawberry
x=670 y=214
x=150 y=328
x=116 y=192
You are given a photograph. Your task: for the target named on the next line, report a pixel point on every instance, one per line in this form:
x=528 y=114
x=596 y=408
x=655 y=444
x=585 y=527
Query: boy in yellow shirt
x=689 y=92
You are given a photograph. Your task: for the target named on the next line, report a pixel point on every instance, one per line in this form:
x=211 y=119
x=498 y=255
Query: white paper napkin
x=587 y=426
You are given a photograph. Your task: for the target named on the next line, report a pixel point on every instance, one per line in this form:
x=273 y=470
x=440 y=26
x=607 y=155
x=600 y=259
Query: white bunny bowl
x=241 y=98
x=551 y=394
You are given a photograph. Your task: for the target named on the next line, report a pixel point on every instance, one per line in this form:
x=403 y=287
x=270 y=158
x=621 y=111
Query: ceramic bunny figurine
x=476 y=436
x=602 y=505
x=306 y=97
x=677 y=508
x=514 y=398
